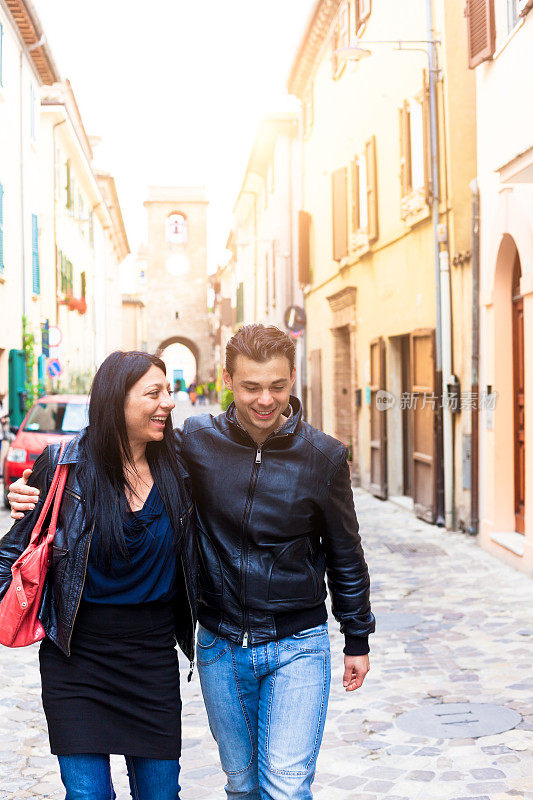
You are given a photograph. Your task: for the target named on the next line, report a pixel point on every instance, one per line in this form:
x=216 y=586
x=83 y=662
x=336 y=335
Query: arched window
x=176 y=228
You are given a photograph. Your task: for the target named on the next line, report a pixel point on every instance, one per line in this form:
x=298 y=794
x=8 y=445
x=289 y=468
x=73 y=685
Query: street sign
x=55 y=336
x=295 y=319
x=54 y=368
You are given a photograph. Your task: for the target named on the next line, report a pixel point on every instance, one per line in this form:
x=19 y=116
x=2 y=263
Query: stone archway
x=192 y=346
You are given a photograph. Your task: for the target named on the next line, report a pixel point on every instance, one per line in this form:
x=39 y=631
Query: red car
x=52 y=419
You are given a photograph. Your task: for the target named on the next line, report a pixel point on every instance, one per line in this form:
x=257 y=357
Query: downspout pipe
x=441 y=474
x=474 y=487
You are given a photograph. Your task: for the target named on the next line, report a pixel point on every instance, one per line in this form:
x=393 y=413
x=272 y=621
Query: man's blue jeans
x=267 y=708
x=88 y=777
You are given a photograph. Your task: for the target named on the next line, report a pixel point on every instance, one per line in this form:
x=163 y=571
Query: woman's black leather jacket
x=66 y=576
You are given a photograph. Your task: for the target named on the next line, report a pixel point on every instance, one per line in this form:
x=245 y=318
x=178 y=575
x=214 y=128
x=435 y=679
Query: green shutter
x=240 y=303
x=1 y=226
x=68 y=187
x=36 y=282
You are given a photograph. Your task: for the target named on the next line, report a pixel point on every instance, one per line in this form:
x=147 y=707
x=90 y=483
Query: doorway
x=518 y=400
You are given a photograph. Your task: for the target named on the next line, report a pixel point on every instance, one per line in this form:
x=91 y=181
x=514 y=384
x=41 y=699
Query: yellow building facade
x=367 y=248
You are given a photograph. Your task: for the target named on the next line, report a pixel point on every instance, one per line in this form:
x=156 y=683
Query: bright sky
x=175 y=88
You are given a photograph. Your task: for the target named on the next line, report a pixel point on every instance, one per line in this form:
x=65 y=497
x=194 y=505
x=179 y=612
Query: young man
x=275 y=513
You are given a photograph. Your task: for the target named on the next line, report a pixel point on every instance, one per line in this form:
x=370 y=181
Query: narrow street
x=450 y=630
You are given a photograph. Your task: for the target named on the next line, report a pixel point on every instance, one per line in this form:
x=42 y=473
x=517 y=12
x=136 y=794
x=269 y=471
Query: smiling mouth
x=264 y=415
x=159 y=420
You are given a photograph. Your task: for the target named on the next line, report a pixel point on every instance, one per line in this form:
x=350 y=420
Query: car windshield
x=57 y=418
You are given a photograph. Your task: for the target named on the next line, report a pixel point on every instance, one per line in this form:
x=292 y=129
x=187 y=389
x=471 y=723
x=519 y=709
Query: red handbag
x=19 y=625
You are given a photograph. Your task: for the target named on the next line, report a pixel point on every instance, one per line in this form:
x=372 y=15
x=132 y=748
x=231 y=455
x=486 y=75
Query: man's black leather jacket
x=272 y=520
x=66 y=577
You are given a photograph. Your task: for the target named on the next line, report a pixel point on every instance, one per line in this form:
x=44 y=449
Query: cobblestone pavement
x=469 y=641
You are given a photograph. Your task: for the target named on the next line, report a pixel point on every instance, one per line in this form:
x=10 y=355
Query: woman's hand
x=22 y=497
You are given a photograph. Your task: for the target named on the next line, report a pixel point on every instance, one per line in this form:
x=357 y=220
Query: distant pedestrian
x=201 y=394
x=192 y=392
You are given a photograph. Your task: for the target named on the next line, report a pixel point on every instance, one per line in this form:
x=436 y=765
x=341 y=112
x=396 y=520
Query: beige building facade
x=176 y=280
x=502 y=55
x=26 y=64
x=260 y=282
x=368 y=249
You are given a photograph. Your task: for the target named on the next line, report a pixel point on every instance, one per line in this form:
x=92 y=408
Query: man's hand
x=355 y=669
x=22 y=497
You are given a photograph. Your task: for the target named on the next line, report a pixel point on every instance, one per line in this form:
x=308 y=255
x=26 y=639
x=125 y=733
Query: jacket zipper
x=246 y=517
x=81 y=590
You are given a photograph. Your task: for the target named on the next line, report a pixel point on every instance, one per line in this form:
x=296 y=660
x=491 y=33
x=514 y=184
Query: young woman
x=121 y=588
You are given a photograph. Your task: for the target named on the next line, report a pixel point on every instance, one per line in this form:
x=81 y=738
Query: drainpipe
x=21 y=146
x=443 y=460
x=474 y=486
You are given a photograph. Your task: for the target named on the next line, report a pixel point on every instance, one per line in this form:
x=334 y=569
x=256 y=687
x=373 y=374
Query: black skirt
x=118 y=691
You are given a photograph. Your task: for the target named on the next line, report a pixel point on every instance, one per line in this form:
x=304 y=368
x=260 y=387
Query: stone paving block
x=488 y=773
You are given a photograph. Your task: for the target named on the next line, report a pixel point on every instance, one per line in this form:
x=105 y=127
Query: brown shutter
x=340 y=213
x=372 y=189
x=355 y=196
x=427 y=139
x=334 y=48
x=481 y=31
x=363 y=9
x=304 y=247
x=405 y=149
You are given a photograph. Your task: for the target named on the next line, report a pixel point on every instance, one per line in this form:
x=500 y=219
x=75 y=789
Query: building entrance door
x=519 y=401
x=423 y=428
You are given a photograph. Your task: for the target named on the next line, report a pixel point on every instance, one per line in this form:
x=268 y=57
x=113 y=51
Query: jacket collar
x=286 y=430
x=71 y=453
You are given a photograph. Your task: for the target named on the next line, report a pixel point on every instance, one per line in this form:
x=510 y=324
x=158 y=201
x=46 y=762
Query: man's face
x=261 y=391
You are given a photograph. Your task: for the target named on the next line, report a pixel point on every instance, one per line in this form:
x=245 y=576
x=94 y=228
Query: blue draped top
x=149 y=573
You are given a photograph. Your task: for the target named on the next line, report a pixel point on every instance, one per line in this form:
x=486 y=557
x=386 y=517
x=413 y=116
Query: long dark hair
x=105 y=448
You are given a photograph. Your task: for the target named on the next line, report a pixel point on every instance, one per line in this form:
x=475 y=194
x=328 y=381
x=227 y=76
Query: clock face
x=178 y=264
x=176 y=229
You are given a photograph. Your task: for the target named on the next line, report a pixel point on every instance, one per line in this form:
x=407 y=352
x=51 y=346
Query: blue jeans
x=88 y=777
x=267 y=708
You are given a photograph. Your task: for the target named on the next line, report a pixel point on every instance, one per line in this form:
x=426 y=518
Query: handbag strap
x=51 y=495
x=63 y=473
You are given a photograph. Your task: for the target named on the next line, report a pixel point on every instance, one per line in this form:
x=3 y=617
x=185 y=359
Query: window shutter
x=340 y=213
x=334 y=48
x=363 y=9
x=1 y=228
x=427 y=139
x=36 y=282
x=356 y=216
x=405 y=149
x=481 y=31
x=240 y=303
x=68 y=187
x=372 y=189
x=304 y=247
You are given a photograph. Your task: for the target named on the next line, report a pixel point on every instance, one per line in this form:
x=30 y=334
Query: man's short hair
x=260 y=343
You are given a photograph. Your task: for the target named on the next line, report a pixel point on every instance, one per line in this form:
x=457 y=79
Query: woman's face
x=148 y=404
